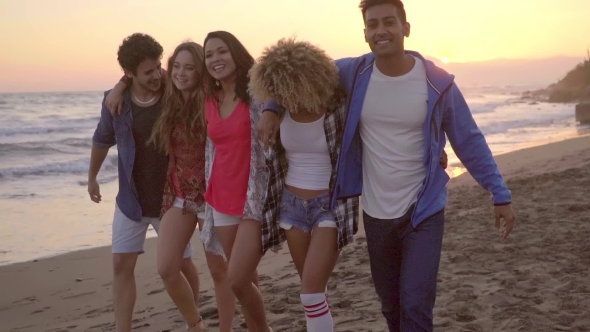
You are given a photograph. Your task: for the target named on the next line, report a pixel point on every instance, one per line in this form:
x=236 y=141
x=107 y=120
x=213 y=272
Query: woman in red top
x=236 y=170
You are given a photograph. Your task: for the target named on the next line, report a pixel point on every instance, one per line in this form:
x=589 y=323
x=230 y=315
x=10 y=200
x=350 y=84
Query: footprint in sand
x=209 y=313
x=77 y=295
x=343 y=304
x=204 y=299
x=288 y=275
x=139 y=312
x=98 y=312
x=61 y=329
x=156 y=291
x=40 y=310
x=26 y=300
x=103 y=327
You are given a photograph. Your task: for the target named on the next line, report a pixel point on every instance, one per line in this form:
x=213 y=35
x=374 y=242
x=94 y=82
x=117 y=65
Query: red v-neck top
x=228 y=183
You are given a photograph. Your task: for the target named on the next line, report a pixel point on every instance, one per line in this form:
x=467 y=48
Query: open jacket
x=346 y=210
x=257 y=183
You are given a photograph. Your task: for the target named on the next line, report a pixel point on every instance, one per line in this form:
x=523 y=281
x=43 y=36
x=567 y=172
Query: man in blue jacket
x=400 y=108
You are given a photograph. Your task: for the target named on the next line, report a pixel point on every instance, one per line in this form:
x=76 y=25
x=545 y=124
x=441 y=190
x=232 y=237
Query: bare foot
x=196 y=327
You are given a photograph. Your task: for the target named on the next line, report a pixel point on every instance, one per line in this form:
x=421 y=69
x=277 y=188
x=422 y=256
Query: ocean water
x=45 y=141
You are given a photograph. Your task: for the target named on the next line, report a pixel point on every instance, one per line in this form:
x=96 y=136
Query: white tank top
x=310 y=166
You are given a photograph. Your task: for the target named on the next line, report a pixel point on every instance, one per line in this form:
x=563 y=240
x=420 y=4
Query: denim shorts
x=305 y=214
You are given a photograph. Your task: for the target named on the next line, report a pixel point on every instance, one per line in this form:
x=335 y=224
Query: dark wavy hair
x=137 y=48
x=190 y=113
x=244 y=61
x=366 y=4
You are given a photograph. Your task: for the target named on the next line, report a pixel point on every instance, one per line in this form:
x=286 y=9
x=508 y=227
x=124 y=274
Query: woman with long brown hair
x=236 y=171
x=181 y=132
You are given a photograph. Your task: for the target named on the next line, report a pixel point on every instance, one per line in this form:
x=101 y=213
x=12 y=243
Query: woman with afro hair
x=302 y=165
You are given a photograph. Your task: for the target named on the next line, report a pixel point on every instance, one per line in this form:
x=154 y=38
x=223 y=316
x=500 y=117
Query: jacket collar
x=437 y=77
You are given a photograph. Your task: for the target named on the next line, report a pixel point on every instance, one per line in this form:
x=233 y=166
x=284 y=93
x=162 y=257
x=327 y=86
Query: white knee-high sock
x=317 y=313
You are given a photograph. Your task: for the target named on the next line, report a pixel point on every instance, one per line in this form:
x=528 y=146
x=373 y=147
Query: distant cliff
x=574 y=87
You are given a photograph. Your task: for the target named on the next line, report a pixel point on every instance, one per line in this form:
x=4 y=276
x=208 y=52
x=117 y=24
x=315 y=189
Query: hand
x=504 y=212
x=268 y=126
x=94 y=191
x=114 y=101
x=444 y=160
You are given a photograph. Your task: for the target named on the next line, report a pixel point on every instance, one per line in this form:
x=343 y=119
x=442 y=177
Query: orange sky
x=68 y=45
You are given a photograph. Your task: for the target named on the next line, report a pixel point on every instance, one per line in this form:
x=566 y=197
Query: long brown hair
x=190 y=112
x=243 y=60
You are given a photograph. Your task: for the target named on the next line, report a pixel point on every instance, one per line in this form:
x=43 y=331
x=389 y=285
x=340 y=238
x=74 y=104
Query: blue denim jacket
x=119 y=130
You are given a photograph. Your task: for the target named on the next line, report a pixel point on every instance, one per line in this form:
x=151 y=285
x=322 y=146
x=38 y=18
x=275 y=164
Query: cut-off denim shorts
x=305 y=214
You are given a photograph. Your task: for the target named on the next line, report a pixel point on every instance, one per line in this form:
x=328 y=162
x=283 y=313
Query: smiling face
x=218 y=60
x=385 y=30
x=184 y=72
x=148 y=75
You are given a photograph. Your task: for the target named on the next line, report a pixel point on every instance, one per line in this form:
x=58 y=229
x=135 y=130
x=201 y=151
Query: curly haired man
x=142 y=169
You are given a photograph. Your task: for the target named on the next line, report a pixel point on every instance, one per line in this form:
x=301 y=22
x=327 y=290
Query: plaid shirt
x=346 y=210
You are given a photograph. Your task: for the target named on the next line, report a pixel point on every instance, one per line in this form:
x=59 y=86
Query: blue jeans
x=404 y=264
x=305 y=214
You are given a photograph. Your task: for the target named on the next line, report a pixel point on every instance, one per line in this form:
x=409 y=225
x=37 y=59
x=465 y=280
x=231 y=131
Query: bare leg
x=227 y=235
x=174 y=235
x=246 y=254
x=224 y=297
x=190 y=272
x=320 y=261
x=298 y=242
x=255 y=280
x=124 y=291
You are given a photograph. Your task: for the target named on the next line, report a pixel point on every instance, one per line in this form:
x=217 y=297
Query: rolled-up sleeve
x=275 y=107
x=104 y=135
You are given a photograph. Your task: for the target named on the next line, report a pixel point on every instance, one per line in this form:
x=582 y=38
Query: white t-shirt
x=391 y=123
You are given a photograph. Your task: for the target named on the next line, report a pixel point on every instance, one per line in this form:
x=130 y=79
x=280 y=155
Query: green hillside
x=574 y=87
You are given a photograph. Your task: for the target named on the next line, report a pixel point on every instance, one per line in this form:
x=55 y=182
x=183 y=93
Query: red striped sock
x=317 y=313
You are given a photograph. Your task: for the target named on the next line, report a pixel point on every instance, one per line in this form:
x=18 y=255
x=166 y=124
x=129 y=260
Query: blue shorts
x=305 y=214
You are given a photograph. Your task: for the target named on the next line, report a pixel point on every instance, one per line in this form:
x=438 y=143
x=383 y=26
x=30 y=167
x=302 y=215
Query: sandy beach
x=537 y=280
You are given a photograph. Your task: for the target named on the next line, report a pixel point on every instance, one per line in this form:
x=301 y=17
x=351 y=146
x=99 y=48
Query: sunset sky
x=70 y=45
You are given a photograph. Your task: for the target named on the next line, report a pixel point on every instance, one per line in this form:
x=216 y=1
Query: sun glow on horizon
x=47 y=54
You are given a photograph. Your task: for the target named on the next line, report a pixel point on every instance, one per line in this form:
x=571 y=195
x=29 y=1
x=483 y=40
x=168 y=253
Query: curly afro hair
x=137 y=48
x=297 y=74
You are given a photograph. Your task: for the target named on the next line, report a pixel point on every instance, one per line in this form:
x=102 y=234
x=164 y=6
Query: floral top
x=188 y=161
x=257 y=183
